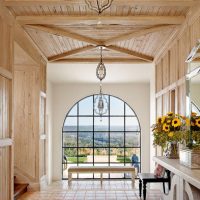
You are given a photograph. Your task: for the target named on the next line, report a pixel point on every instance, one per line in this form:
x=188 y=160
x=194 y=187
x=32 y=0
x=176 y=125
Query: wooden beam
x=60 y=32
x=129 y=52
x=96 y=60
x=138 y=33
x=180 y=3
x=94 y=19
x=69 y=53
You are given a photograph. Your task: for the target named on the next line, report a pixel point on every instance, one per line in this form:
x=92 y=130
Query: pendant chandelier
x=98 y=5
x=100 y=101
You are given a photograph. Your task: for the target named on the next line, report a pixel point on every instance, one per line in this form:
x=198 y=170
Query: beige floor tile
x=91 y=190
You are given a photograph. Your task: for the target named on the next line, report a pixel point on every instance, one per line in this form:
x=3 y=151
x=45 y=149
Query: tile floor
x=91 y=190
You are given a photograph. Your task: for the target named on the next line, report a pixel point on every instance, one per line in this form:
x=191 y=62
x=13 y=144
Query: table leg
x=144 y=190
x=101 y=175
x=140 y=187
x=69 y=178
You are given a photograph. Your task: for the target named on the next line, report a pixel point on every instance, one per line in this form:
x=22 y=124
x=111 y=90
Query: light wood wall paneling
x=173 y=63
x=6 y=128
x=166 y=70
x=26 y=123
x=159 y=77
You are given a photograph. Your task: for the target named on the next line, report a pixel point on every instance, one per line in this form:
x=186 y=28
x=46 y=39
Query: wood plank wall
x=29 y=81
x=6 y=134
x=171 y=69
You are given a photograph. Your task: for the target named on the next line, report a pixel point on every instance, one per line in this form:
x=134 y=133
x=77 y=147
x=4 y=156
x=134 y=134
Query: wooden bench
x=101 y=170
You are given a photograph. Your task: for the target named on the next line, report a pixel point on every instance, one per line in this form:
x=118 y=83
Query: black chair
x=145 y=178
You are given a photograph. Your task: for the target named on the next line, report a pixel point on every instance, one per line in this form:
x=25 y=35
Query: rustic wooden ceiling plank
x=94 y=19
x=138 y=33
x=129 y=52
x=60 y=32
x=72 y=52
x=181 y=3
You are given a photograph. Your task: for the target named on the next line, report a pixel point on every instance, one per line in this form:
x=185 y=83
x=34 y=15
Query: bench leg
x=144 y=190
x=101 y=176
x=133 y=179
x=69 y=178
x=140 y=188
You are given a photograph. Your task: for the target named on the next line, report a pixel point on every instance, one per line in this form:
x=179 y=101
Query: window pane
x=70 y=124
x=129 y=111
x=85 y=155
x=70 y=155
x=101 y=139
x=85 y=139
x=86 y=106
x=117 y=155
x=96 y=104
x=73 y=111
x=85 y=124
x=70 y=139
x=137 y=169
x=116 y=139
x=116 y=123
x=132 y=139
x=101 y=155
x=116 y=106
x=132 y=124
x=132 y=155
x=101 y=124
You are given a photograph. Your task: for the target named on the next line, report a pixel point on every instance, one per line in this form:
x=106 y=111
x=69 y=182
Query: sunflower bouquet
x=195 y=130
x=169 y=128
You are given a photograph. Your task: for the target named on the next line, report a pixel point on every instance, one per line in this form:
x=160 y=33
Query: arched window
x=195 y=108
x=89 y=141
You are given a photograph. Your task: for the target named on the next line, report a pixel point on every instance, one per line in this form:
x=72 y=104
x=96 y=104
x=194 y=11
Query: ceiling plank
x=95 y=19
x=60 y=32
x=69 y=53
x=96 y=60
x=129 y=52
x=138 y=33
x=182 y=3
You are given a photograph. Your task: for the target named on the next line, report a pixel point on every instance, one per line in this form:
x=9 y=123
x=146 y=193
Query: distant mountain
x=100 y=128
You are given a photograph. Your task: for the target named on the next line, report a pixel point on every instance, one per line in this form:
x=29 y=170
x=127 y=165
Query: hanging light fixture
x=98 y=5
x=100 y=101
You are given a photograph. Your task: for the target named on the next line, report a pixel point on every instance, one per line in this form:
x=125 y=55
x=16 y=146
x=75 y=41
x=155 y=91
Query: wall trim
x=6 y=142
x=172 y=86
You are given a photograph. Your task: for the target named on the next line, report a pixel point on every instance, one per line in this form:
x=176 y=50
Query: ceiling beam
x=139 y=33
x=163 y=3
x=96 y=60
x=95 y=19
x=60 y=32
x=69 y=53
x=132 y=53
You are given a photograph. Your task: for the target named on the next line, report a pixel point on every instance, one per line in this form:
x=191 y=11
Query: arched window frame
x=109 y=132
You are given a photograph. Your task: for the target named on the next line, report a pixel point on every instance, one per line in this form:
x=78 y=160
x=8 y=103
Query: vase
x=172 y=150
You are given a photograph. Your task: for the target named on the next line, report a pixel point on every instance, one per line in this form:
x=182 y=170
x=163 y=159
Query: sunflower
x=169 y=121
x=159 y=120
x=170 y=134
x=187 y=121
x=193 y=114
x=165 y=127
x=163 y=119
x=198 y=122
x=170 y=114
x=176 y=122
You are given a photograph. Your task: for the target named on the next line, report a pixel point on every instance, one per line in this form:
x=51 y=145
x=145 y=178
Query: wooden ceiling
x=131 y=30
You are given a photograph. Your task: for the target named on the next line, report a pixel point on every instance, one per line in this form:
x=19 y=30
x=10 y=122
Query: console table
x=185 y=182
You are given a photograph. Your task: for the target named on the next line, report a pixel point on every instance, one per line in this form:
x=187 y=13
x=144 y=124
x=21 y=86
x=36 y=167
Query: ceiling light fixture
x=98 y=5
x=100 y=101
